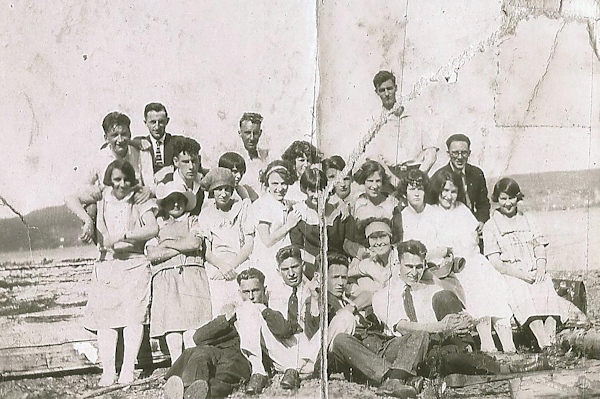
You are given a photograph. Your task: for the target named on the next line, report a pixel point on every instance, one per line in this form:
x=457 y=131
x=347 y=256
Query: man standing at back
x=474 y=186
x=256 y=158
x=394 y=146
x=156 y=120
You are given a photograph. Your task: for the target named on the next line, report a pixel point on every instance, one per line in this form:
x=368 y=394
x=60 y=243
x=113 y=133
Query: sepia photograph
x=307 y=199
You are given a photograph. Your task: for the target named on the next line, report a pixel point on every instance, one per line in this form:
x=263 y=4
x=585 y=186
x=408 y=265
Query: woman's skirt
x=180 y=300
x=119 y=293
x=485 y=291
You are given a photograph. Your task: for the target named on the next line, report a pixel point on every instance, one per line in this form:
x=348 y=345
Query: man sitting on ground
x=288 y=348
x=216 y=365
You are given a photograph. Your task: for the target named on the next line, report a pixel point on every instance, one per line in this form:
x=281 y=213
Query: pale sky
x=63 y=68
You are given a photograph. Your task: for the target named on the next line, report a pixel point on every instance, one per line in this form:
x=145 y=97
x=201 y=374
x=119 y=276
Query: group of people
x=224 y=261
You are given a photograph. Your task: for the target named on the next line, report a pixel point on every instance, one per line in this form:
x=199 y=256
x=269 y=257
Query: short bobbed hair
x=439 y=181
x=508 y=186
x=250 y=274
x=414 y=177
x=301 y=149
x=233 y=161
x=125 y=167
x=282 y=168
x=334 y=162
x=369 y=168
x=313 y=179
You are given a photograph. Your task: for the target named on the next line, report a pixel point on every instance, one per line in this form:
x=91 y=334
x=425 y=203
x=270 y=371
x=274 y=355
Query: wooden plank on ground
x=559 y=384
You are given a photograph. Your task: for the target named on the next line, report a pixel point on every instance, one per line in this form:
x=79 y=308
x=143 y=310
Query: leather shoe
x=290 y=380
x=256 y=384
x=416 y=382
x=395 y=388
x=540 y=363
x=198 y=390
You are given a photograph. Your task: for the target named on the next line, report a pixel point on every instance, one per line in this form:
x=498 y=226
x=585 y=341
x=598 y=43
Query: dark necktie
x=293 y=310
x=158 y=155
x=409 y=305
x=465 y=188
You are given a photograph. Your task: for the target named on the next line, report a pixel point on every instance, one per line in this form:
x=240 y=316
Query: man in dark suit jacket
x=459 y=149
x=156 y=120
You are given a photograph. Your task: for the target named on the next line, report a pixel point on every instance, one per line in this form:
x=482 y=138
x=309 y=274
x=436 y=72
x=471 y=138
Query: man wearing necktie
x=156 y=120
x=474 y=185
x=428 y=309
x=288 y=347
x=357 y=344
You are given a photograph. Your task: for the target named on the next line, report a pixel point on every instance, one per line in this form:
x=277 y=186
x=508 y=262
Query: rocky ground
x=41 y=293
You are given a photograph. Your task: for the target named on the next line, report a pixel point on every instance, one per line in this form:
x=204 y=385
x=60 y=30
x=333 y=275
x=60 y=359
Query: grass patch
x=15 y=283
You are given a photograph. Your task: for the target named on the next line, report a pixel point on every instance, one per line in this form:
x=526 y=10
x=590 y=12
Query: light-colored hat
x=165 y=190
x=376 y=227
x=218 y=177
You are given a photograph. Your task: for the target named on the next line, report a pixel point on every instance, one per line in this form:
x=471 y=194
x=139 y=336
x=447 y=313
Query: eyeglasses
x=456 y=154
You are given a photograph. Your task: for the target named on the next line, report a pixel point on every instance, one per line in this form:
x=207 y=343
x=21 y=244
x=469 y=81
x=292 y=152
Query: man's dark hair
x=383 y=76
x=114 y=119
x=249 y=274
x=182 y=144
x=156 y=107
x=458 y=137
x=231 y=161
x=289 y=251
x=125 y=167
x=253 y=117
x=412 y=247
x=333 y=258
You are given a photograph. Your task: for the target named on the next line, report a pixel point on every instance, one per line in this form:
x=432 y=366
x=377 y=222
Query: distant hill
x=46 y=229
x=558 y=190
x=543 y=191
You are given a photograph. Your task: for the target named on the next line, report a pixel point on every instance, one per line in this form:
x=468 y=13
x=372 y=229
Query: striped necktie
x=158 y=160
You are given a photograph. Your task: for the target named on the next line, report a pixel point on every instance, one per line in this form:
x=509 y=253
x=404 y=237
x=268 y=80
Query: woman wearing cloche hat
x=228 y=232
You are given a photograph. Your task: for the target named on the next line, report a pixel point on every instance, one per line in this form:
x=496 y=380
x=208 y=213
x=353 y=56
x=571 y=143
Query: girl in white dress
x=514 y=245
x=486 y=293
x=227 y=228
x=274 y=218
x=120 y=288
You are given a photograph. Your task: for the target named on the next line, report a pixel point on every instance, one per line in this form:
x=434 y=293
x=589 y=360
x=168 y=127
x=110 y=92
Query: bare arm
x=270 y=238
x=509 y=270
